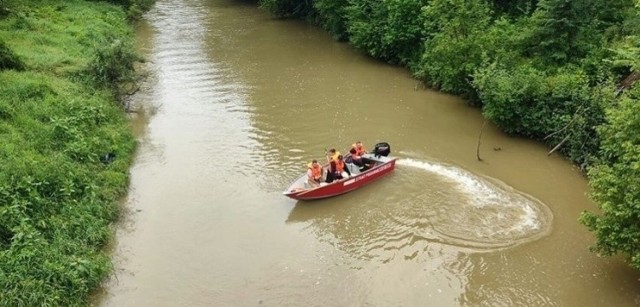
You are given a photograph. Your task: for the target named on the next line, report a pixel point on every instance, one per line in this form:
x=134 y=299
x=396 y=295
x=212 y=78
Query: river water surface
x=235 y=106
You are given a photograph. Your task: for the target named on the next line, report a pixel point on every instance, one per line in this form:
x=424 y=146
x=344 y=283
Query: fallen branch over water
x=566 y=138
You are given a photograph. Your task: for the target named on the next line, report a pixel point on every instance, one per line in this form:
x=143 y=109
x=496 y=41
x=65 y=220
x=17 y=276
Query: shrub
x=526 y=101
x=113 y=62
x=288 y=8
x=331 y=15
x=389 y=30
x=615 y=182
x=453 y=47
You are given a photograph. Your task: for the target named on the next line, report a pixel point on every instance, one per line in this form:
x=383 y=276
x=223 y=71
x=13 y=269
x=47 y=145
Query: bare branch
x=484 y=123
x=566 y=138
x=567 y=125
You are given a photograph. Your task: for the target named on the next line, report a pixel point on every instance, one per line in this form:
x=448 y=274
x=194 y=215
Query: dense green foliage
x=616 y=182
x=112 y=62
x=58 y=118
x=453 y=50
x=290 y=8
x=545 y=69
x=331 y=15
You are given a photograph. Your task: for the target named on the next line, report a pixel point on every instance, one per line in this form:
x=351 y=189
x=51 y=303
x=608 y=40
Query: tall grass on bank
x=59 y=117
x=8 y=60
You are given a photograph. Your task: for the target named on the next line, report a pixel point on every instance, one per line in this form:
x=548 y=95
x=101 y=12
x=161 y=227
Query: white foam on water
x=480 y=190
x=496 y=212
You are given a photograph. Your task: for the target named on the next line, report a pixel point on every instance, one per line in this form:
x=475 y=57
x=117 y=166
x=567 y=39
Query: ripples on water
x=206 y=99
x=426 y=202
x=479 y=212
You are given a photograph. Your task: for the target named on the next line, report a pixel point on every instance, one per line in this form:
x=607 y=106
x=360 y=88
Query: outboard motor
x=382 y=149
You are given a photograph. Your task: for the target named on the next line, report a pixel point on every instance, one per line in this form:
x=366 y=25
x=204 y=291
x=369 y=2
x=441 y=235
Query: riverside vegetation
x=65 y=145
x=558 y=71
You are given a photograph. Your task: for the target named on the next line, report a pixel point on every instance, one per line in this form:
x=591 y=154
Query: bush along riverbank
x=65 y=145
x=553 y=70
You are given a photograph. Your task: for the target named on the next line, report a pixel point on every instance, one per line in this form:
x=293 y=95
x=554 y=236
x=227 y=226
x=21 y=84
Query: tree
x=556 y=27
x=616 y=182
x=288 y=8
x=565 y=30
x=390 y=30
x=331 y=15
x=454 y=44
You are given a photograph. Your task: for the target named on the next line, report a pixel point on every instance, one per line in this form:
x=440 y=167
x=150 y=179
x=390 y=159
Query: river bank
x=65 y=146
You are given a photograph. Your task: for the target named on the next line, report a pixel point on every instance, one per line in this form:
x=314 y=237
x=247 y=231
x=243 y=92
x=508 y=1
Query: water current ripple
x=423 y=203
x=471 y=211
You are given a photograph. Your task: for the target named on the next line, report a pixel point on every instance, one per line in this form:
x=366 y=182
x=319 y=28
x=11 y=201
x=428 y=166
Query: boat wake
x=471 y=211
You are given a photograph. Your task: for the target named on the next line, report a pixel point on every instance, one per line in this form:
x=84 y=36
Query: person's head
x=339 y=157
x=352 y=151
x=314 y=162
x=332 y=150
x=358 y=144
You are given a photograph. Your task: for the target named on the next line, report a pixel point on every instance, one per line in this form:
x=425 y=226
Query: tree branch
x=479 y=140
x=566 y=138
x=565 y=126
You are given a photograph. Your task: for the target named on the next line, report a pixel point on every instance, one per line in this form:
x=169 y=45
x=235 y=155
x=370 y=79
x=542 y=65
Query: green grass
x=57 y=199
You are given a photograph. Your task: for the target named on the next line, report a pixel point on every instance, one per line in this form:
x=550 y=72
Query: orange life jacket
x=359 y=149
x=316 y=172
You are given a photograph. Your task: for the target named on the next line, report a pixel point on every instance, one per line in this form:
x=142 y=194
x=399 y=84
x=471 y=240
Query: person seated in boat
x=359 y=147
x=340 y=171
x=314 y=174
x=332 y=155
x=354 y=158
x=357 y=151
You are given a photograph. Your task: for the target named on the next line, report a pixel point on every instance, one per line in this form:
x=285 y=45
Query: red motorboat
x=380 y=165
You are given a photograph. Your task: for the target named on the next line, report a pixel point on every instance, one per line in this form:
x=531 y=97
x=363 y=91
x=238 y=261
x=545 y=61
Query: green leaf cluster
x=112 y=62
x=616 y=182
x=390 y=30
x=288 y=8
x=454 y=44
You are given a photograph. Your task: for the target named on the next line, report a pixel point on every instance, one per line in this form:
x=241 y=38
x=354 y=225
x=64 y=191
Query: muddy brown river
x=237 y=103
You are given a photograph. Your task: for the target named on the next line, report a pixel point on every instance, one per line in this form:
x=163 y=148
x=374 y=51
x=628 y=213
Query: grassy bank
x=60 y=66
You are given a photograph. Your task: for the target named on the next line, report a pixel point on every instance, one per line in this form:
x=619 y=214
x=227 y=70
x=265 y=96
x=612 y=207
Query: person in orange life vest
x=338 y=167
x=332 y=156
x=354 y=158
x=314 y=173
x=360 y=150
